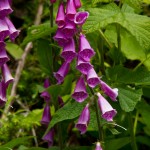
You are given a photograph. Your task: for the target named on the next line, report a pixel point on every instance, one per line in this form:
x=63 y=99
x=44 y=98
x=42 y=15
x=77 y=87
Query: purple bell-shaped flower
x=4 y=30
x=69 y=29
x=83 y=120
x=70 y=10
x=5 y=8
x=6 y=75
x=81 y=17
x=46 y=96
x=60 y=37
x=107 y=111
x=2 y=93
x=52 y=1
x=92 y=78
x=46 y=83
x=83 y=66
x=80 y=93
x=60 y=19
x=12 y=30
x=85 y=51
x=46 y=115
x=62 y=72
x=98 y=146
x=112 y=93
x=49 y=137
x=3 y=57
x=2 y=45
x=69 y=51
x=77 y=4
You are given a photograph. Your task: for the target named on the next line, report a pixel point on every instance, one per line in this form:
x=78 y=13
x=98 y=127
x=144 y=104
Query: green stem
x=132 y=136
x=51 y=15
x=135 y=122
x=118 y=27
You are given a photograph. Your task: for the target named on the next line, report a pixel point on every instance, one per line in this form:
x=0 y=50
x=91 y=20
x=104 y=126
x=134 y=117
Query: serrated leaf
x=128 y=98
x=116 y=144
x=137 y=25
x=134 y=3
x=14 y=50
x=37 y=32
x=44 y=54
x=70 y=111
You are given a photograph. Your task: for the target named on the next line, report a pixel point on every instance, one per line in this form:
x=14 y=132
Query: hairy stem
x=132 y=136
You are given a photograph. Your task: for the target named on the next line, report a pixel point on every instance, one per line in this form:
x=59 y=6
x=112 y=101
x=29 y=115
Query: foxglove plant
x=98 y=146
x=6 y=29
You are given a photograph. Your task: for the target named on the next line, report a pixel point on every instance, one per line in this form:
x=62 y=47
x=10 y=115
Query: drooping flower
x=70 y=10
x=60 y=19
x=6 y=75
x=13 y=32
x=107 y=111
x=5 y=8
x=92 y=78
x=69 y=29
x=69 y=51
x=83 y=120
x=2 y=45
x=83 y=66
x=46 y=96
x=85 y=50
x=77 y=3
x=46 y=83
x=4 y=30
x=112 y=93
x=46 y=115
x=98 y=146
x=60 y=37
x=80 y=93
x=62 y=72
x=2 y=93
x=52 y=1
x=81 y=17
x=3 y=57
x=49 y=137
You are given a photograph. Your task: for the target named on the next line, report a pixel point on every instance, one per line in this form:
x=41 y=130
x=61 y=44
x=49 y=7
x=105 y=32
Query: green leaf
x=137 y=25
x=14 y=50
x=37 y=32
x=44 y=54
x=100 y=1
x=128 y=98
x=70 y=111
x=134 y=3
x=16 y=142
x=116 y=144
x=143 y=139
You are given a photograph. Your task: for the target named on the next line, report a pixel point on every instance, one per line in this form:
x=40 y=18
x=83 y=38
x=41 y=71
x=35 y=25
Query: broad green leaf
x=44 y=54
x=123 y=75
x=100 y=1
x=116 y=144
x=70 y=111
x=134 y=3
x=137 y=25
x=14 y=50
x=37 y=32
x=146 y=1
x=143 y=139
x=16 y=142
x=128 y=98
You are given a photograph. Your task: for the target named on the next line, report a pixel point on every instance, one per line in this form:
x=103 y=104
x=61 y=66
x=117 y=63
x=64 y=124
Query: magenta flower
x=70 y=10
x=98 y=146
x=46 y=83
x=2 y=93
x=46 y=96
x=81 y=17
x=69 y=29
x=112 y=93
x=2 y=45
x=3 y=57
x=83 y=120
x=62 y=72
x=107 y=111
x=69 y=51
x=4 y=31
x=60 y=19
x=60 y=37
x=5 y=8
x=60 y=101
x=77 y=4
x=85 y=51
x=92 y=78
x=52 y=1
x=80 y=93
x=49 y=137
x=83 y=66
x=6 y=75
x=12 y=30
x=46 y=115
